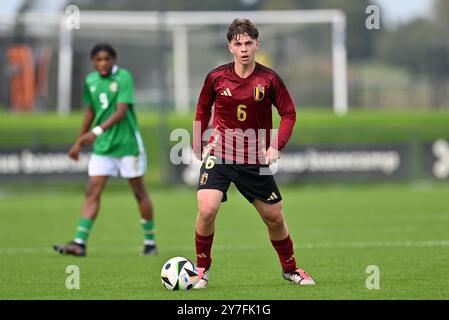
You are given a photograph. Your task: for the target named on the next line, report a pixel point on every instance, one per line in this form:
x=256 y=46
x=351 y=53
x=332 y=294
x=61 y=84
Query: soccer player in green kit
x=117 y=146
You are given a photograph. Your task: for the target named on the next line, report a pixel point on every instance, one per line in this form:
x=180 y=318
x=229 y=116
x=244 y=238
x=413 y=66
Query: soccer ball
x=179 y=273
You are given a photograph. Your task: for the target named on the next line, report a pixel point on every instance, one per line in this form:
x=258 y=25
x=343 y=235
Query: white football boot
x=299 y=277
x=203 y=276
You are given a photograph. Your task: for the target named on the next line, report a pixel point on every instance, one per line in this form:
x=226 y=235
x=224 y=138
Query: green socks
x=83 y=230
x=85 y=225
x=148 y=230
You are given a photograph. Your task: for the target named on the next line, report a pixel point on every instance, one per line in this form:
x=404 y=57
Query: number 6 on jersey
x=241 y=114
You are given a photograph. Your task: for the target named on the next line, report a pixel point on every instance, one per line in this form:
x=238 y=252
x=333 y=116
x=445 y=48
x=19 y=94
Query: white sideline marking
x=318 y=245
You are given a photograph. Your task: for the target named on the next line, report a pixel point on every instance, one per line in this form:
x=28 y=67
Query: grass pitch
x=338 y=231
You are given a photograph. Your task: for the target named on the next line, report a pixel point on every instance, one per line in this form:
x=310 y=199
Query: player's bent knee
x=207 y=212
x=273 y=216
x=207 y=207
x=275 y=221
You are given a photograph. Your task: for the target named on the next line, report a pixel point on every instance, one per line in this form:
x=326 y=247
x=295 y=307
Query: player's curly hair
x=242 y=26
x=103 y=47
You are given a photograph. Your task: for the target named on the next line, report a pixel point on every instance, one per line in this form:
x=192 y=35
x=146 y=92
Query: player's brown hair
x=242 y=26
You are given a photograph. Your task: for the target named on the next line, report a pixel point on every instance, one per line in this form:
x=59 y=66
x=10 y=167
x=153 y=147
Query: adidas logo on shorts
x=273 y=196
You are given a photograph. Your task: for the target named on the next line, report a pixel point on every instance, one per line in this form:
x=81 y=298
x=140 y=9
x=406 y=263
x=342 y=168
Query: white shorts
x=127 y=167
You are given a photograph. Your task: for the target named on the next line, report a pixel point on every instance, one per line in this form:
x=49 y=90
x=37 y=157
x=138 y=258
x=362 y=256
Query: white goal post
x=178 y=22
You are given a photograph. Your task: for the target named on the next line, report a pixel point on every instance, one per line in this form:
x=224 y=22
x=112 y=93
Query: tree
x=441 y=11
x=360 y=41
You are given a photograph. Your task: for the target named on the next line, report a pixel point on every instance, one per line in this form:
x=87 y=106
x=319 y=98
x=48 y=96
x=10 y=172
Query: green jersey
x=102 y=94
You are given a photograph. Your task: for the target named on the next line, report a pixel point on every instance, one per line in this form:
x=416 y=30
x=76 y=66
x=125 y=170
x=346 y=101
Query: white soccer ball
x=179 y=273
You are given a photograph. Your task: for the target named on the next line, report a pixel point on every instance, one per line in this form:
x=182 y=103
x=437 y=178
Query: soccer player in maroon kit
x=240 y=149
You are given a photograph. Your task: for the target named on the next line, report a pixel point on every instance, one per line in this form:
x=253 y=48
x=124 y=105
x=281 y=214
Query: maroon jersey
x=242 y=121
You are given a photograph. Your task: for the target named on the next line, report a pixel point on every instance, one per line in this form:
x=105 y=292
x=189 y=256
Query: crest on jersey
x=113 y=86
x=203 y=178
x=259 y=93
